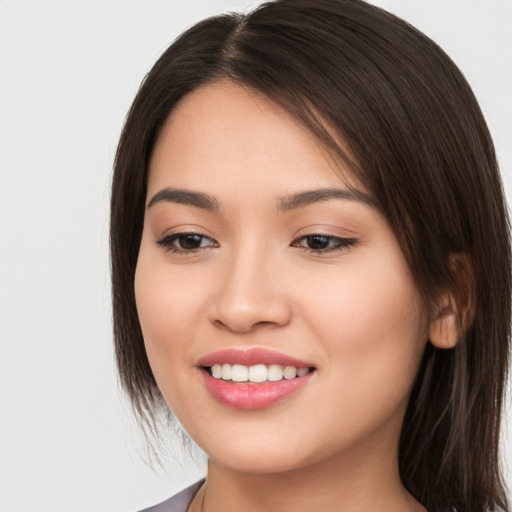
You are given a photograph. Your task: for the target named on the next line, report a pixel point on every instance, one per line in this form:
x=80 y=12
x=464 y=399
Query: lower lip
x=252 y=396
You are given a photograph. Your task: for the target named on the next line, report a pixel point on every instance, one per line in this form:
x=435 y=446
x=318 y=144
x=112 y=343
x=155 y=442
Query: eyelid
x=334 y=242
x=342 y=243
x=167 y=241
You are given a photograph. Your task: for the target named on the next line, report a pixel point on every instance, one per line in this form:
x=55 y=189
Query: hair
x=418 y=142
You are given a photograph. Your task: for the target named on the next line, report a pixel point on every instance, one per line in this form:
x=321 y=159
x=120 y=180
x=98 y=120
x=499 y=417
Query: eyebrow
x=177 y=195
x=287 y=203
x=308 y=197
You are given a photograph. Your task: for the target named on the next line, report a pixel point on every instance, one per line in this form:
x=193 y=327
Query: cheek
x=372 y=329
x=364 y=296
x=163 y=315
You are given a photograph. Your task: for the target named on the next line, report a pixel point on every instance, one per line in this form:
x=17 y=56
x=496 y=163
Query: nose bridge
x=249 y=294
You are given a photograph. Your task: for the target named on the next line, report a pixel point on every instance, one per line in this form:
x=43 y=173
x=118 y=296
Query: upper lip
x=250 y=357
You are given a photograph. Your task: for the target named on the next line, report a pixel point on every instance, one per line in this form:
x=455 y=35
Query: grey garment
x=179 y=502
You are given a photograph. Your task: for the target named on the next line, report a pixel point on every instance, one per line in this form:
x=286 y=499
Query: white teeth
x=226 y=371
x=275 y=372
x=239 y=373
x=217 y=371
x=256 y=373
x=290 y=372
x=302 y=371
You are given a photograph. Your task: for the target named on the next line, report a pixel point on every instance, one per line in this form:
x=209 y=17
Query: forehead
x=225 y=133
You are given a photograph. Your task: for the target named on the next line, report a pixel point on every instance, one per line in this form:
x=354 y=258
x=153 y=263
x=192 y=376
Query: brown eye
x=186 y=242
x=318 y=243
x=189 y=241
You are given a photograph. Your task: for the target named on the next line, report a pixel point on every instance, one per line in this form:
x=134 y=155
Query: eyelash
x=339 y=243
x=167 y=242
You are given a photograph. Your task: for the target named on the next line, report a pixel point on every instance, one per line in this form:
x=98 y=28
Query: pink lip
x=250 y=357
x=252 y=396
x=249 y=395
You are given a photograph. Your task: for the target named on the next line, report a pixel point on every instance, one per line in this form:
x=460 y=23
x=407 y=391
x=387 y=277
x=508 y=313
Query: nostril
x=242 y=327
x=263 y=323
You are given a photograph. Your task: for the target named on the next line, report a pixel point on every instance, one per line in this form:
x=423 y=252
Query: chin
x=259 y=462
x=264 y=453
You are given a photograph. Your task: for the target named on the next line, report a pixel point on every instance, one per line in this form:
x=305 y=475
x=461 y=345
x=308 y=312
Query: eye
x=318 y=243
x=186 y=242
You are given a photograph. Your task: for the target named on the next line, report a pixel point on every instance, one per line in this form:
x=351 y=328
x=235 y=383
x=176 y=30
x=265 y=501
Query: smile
x=256 y=373
x=254 y=378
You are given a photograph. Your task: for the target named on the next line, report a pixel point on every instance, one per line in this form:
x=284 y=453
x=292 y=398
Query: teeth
x=226 y=372
x=256 y=373
x=217 y=371
x=275 y=372
x=239 y=373
x=290 y=372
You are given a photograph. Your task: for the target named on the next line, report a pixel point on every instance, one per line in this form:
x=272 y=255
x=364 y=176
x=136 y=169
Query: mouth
x=254 y=378
x=255 y=374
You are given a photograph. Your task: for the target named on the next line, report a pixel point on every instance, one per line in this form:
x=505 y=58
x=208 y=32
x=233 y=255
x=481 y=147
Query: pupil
x=190 y=241
x=317 y=242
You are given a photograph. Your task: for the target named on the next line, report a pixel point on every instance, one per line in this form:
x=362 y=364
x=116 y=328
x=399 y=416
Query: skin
x=354 y=311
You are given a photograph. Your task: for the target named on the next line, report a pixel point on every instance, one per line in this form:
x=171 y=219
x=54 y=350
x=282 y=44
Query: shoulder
x=179 y=502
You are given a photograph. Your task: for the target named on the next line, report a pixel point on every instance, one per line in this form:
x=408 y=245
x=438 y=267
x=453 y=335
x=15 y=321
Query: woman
x=311 y=264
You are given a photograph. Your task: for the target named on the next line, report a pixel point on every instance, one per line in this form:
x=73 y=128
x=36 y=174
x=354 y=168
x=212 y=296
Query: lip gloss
x=252 y=356
x=245 y=395
x=249 y=395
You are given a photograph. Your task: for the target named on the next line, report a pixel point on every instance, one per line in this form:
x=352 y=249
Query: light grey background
x=68 y=72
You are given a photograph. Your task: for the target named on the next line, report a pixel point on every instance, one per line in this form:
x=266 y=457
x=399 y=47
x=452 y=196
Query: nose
x=250 y=295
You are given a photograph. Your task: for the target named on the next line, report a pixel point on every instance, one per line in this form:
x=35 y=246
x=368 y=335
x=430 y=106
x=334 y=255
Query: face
x=279 y=315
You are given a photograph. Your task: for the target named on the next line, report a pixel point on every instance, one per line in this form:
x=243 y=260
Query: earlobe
x=446 y=328
x=456 y=308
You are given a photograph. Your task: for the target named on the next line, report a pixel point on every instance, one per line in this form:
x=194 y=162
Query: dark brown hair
x=420 y=145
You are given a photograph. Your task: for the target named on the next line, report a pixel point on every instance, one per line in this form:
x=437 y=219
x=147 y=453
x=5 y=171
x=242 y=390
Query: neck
x=352 y=483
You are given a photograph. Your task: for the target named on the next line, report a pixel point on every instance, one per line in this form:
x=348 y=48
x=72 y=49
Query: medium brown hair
x=419 y=143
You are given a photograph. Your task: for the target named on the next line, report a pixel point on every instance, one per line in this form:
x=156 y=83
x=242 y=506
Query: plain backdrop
x=68 y=72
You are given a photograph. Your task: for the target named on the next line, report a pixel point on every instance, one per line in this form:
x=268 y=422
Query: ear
x=456 y=307
x=445 y=328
